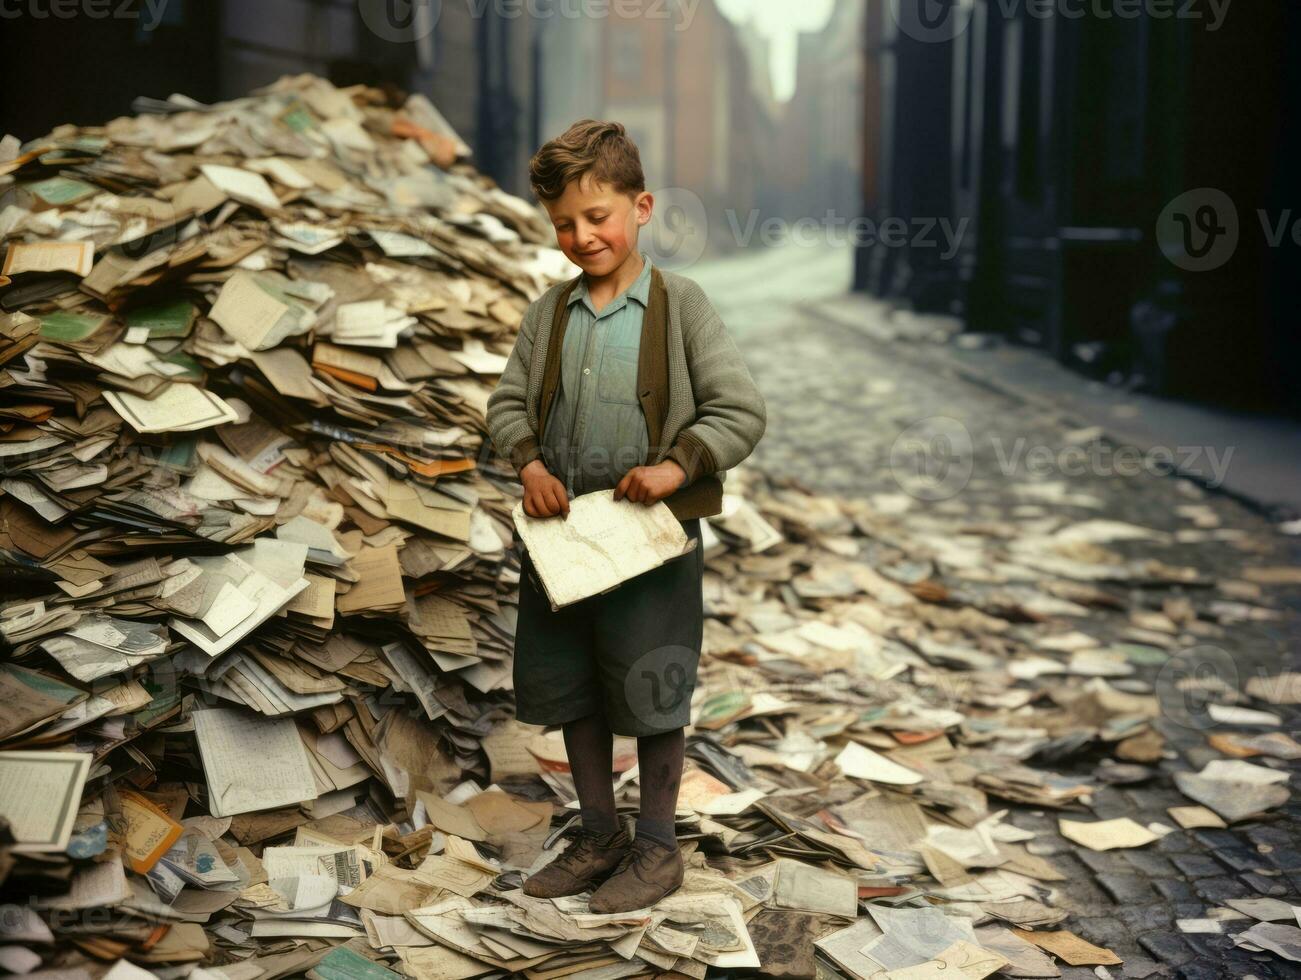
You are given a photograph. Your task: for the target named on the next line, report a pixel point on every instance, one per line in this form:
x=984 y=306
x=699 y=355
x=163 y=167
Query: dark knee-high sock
x=659 y=761
x=590 y=746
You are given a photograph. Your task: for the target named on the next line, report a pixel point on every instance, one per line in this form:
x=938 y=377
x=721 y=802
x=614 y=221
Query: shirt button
x=587 y=370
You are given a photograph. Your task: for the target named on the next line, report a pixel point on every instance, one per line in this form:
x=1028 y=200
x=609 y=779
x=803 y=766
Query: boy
x=622 y=378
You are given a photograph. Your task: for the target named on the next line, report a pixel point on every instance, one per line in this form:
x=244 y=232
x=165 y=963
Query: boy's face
x=596 y=225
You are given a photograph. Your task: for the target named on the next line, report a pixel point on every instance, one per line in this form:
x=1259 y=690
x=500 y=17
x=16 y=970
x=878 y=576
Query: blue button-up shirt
x=596 y=430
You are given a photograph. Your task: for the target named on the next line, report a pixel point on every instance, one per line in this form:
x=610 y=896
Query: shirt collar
x=639 y=290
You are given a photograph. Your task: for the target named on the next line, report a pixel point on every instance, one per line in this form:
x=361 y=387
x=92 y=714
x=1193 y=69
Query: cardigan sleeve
x=731 y=415
x=507 y=418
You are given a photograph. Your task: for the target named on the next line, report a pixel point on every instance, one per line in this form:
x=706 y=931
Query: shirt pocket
x=618 y=382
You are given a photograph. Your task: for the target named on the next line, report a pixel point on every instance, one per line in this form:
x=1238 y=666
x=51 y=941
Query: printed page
x=39 y=796
x=75 y=257
x=150 y=832
x=267 y=574
x=289 y=373
x=809 y=889
x=602 y=543
x=252 y=763
x=245 y=311
x=379 y=584
x=242 y=185
x=178 y=408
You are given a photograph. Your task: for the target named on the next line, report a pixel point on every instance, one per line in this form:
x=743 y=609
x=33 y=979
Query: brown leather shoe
x=648 y=872
x=587 y=860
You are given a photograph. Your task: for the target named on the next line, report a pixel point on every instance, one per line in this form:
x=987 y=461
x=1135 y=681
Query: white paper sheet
x=602 y=543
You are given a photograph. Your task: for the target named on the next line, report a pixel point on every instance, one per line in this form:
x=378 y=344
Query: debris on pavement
x=257 y=718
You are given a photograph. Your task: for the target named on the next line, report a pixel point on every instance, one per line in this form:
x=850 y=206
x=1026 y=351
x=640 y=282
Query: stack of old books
x=256 y=553
x=259 y=602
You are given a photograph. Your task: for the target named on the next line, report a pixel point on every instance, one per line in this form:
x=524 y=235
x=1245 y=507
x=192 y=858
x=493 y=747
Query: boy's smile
x=596 y=228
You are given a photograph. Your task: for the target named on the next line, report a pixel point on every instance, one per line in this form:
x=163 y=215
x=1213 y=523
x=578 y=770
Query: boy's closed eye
x=594 y=219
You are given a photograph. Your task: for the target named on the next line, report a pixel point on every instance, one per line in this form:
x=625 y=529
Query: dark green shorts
x=631 y=653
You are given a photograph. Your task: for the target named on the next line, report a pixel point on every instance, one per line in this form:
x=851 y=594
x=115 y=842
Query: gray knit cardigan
x=713 y=401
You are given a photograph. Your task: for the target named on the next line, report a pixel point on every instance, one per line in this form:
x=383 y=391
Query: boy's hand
x=544 y=495
x=647 y=484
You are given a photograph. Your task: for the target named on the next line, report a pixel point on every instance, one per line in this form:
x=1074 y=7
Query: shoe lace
x=584 y=844
x=639 y=853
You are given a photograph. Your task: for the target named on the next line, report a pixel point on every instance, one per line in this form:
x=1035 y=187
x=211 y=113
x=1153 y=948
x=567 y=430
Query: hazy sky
x=781 y=21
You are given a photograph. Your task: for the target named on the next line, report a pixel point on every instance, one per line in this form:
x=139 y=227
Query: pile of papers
x=255 y=548
x=255 y=708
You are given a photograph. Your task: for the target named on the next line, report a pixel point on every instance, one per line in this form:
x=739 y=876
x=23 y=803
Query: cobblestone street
x=650 y=491
x=847 y=414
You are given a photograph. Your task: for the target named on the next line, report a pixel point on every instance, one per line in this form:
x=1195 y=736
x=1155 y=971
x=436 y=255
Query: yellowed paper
x=246 y=311
x=39 y=796
x=242 y=185
x=75 y=257
x=602 y=543
x=178 y=408
x=252 y=763
x=1070 y=948
x=379 y=584
x=289 y=373
x=961 y=960
x=450 y=818
x=317 y=600
x=149 y=831
x=1105 y=835
x=862 y=763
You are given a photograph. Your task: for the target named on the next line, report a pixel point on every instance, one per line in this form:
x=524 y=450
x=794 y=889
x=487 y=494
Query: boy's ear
x=645 y=205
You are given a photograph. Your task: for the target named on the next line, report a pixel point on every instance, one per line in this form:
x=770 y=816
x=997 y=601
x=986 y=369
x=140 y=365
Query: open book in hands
x=601 y=544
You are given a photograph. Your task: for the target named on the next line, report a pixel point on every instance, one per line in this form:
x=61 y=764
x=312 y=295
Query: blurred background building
x=478 y=66
x=1103 y=165
x=1073 y=144
x=695 y=96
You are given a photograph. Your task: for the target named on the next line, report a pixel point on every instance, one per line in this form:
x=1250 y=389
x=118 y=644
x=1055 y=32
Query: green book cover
x=62 y=190
x=343 y=963
x=63 y=325
x=175 y=319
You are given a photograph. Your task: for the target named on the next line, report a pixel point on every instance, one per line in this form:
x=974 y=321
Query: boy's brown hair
x=603 y=149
